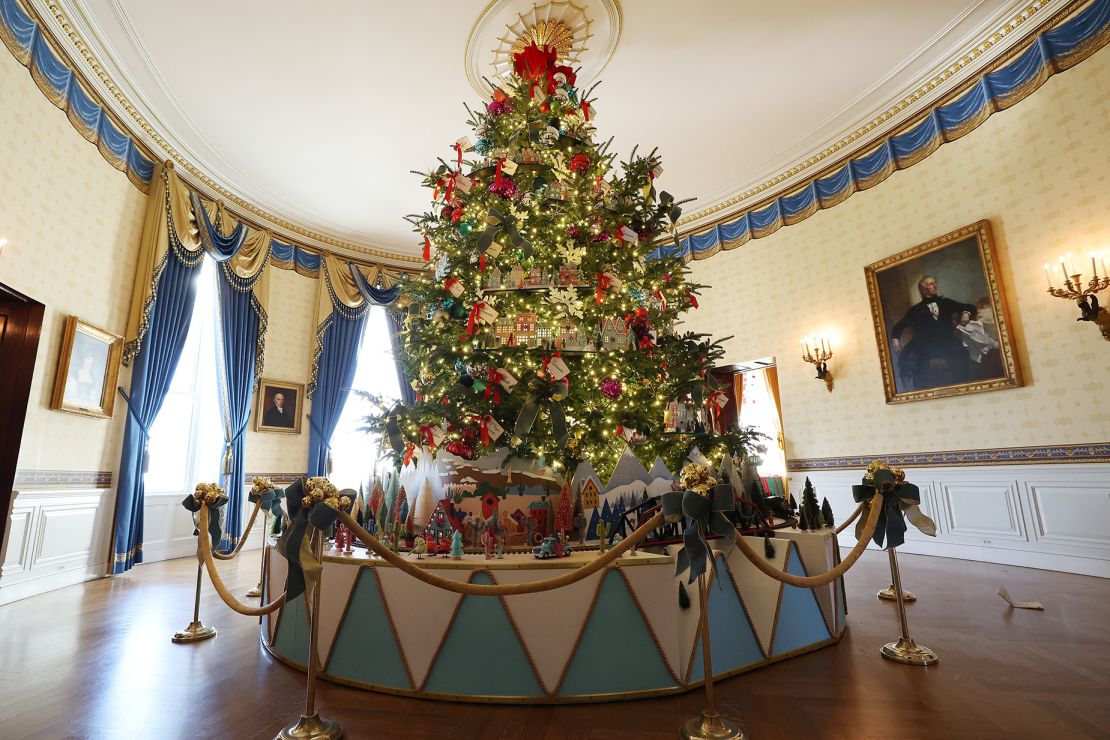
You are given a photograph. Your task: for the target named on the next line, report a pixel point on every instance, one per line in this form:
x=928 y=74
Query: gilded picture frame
x=279 y=415
x=88 y=368
x=963 y=340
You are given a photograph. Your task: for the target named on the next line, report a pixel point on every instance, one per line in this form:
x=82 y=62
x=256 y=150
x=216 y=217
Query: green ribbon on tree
x=502 y=223
x=900 y=501
x=215 y=530
x=393 y=429
x=704 y=515
x=543 y=392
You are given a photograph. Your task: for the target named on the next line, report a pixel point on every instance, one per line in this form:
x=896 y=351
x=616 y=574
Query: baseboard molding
x=1023 y=559
x=50 y=582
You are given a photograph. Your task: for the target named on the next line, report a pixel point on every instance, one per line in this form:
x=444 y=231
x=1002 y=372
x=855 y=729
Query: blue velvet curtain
x=339 y=347
x=238 y=324
x=150 y=379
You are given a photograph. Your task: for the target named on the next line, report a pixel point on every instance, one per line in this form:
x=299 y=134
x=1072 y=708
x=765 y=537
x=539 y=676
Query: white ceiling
x=316 y=112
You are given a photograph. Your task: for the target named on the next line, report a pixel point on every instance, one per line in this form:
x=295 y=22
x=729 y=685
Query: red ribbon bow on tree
x=409 y=449
x=493 y=386
x=427 y=249
x=472 y=322
x=426 y=430
x=483 y=426
x=603 y=283
x=693 y=299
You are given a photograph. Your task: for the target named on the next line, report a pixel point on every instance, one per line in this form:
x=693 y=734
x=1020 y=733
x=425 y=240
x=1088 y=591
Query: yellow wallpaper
x=288 y=357
x=1040 y=172
x=72 y=224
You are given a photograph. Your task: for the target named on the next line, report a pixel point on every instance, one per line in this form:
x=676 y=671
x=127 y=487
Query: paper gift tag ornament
x=487 y=314
x=495 y=429
x=558 y=368
x=508 y=167
x=462 y=183
x=493 y=250
x=454 y=286
x=465 y=144
x=657 y=171
x=615 y=282
x=508 y=382
x=438 y=434
x=628 y=235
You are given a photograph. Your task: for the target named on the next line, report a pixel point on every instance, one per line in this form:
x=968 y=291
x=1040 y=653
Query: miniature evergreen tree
x=425 y=504
x=456 y=545
x=810 y=506
x=803 y=519
x=383 y=518
x=564 y=510
x=377 y=495
x=826 y=513
x=538 y=198
x=401 y=506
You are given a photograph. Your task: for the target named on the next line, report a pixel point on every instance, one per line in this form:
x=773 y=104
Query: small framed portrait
x=941 y=320
x=278 y=407
x=87 y=370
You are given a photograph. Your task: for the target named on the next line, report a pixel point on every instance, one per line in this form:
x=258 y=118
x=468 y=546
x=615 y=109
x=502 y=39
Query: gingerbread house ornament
x=614 y=334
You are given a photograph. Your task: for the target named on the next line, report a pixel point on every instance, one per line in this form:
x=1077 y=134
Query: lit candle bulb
x=1094 y=270
x=1070 y=263
x=1064 y=270
x=1047 y=276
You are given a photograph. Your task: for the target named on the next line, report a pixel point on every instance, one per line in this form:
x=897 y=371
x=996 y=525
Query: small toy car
x=551 y=548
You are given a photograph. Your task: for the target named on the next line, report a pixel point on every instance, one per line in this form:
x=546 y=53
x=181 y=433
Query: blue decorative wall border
x=1008 y=81
x=1096 y=452
x=23 y=35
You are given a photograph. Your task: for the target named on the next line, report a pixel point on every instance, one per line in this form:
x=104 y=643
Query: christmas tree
x=548 y=321
x=827 y=513
x=456 y=545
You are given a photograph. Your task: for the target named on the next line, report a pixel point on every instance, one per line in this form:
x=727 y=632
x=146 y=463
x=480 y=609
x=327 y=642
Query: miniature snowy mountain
x=629 y=470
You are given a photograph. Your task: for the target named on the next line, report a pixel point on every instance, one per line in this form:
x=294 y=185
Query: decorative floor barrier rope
x=505 y=589
x=850 y=519
x=242 y=540
x=234 y=604
x=828 y=576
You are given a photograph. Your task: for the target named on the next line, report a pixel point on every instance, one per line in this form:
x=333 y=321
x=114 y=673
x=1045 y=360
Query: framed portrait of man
x=278 y=407
x=85 y=382
x=941 y=321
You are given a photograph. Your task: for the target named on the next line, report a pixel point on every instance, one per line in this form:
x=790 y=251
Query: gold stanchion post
x=257 y=590
x=196 y=631
x=710 y=725
x=905 y=650
x=311 y=726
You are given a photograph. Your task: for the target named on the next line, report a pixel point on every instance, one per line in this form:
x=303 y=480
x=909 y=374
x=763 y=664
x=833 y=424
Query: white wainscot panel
x=65 y=533
x=982 y=511
x=58 y=537
x=1050 y=516
x=1071 y=513
x=167 y=528
x=19 y=530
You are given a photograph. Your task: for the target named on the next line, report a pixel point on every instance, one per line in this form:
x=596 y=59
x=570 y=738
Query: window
x=354 y=453
x=758 y=409
x=186 y=439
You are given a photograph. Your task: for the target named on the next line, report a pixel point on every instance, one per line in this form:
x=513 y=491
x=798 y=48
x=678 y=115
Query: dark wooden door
x=20 y=326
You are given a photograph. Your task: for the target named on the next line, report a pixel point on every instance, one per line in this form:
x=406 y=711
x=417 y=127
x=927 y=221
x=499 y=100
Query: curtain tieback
x=327 y=443
x=229 y=449
x=142 y=427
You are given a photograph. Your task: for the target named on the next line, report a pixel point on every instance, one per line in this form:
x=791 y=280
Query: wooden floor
x=95 y=661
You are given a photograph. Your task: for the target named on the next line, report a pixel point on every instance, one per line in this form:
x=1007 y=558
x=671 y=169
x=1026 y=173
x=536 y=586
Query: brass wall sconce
x=1074 y=290
x=818 y=351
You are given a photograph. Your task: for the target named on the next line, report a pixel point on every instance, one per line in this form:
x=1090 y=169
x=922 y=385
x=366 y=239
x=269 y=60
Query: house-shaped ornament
x=525 y=329
x=573 y=337
x=503 y=331
x=493 y=279
x=516 y=278
x=569 y=275
x=615 y=334
x=535 y=278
